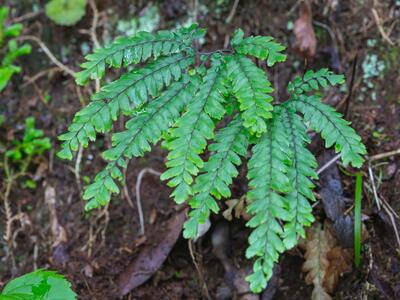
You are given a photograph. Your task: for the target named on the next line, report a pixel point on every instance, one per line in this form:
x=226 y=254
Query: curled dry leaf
x=306 y=43
x=325 y=261
x=236 y=208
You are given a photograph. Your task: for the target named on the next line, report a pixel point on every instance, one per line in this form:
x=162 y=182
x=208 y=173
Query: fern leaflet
x=251 y=88
x=268 y=168
x=189 y=137
x=261 y=47
x=333 y=128
x=313 y=80
x=216 y=175
x=143 y=129
x=125 y=94
x=126 y=51
x=301 y=171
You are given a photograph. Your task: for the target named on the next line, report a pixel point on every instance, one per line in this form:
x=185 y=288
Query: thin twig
x=93 y=34
x=48 y=53
x=199 y=272
x=351 y=87
x=28 y=16
x=195 y=10
x=384 y=155
x=372 y=179
x=125 y=189
x=328 y=164
x=95 y=20
x=77 y=168
x=40 y=75
x=138 y=201
x=378 y=22
x=393 y=221
x=232 y=12
x=332 y=36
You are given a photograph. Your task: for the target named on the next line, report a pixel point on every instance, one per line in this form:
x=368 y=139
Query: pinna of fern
x=172 y=96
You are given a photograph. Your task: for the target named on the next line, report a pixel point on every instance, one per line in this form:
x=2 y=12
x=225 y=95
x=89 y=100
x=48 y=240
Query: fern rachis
x=174 y=99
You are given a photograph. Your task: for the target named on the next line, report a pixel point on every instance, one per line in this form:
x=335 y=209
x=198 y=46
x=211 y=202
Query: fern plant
x=10 y=53
x=181 y=96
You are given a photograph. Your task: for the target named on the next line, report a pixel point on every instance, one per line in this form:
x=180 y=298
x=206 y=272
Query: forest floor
x=94 y=249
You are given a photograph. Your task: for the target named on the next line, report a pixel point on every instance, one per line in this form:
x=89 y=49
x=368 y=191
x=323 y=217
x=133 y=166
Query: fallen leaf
x=227 y=213
x=152 y=255
x=340 y=262
x=325 y=261
x=237 y=208
x=153 y=216
x=306 y=43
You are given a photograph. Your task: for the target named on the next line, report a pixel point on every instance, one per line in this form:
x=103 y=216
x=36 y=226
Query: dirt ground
x=98 y=246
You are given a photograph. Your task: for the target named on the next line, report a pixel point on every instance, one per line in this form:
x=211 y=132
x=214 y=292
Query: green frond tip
x=314 y=80
x=301 y=171
x=133 y=50
x=268 y=174
x=261 y=47
x=142 y=130
x=188 y=138
x=251 y=88
x=333 y=128
x=125 y=95
x=217 y=174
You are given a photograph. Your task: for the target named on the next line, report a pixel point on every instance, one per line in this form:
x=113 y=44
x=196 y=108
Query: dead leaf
x=152 y=255
x=227 y=213
x=306 y=43
x=153 y=216
x=326 y=261
x=236 y=207
x=340 y=262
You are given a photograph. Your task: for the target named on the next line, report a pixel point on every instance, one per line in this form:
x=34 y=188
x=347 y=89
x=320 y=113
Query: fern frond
x=216 y=175
x=188 y=139
x=314 y=80
x=301 y=171
x=143 y=129
x=261 y=47
x=268 y=168
x=333 y=128
x=170 y=100
x=123 y=95
x=251 y=88
x=132 y=50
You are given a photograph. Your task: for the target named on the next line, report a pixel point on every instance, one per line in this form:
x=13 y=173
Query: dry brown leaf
x=152 y=255
x=306 y=43
x=340 y=262
x=227 y=213
x=236 y=207
x=325 y=261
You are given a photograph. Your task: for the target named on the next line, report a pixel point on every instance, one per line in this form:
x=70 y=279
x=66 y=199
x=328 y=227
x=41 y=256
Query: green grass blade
x=357 y=219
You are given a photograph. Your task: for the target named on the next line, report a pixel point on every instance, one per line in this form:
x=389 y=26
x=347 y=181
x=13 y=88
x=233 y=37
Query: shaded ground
x=99 y=245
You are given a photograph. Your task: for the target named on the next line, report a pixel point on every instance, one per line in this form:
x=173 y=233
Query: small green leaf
x=41 y=284
x=66 y=12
